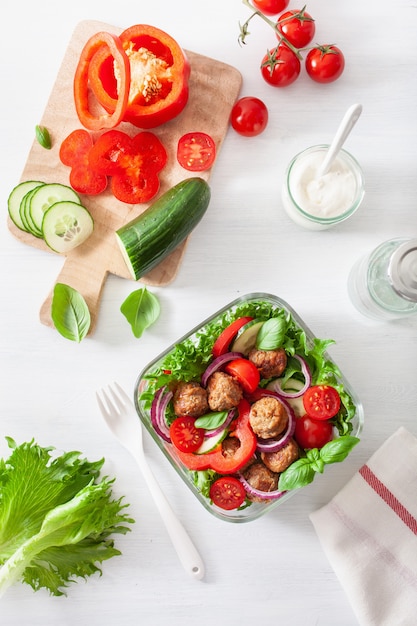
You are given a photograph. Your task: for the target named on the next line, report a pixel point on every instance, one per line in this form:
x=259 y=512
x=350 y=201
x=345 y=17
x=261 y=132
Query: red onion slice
x=217 y=363
x=273 y=445
x=160 y=402
x=305 y=370
x=265 y=495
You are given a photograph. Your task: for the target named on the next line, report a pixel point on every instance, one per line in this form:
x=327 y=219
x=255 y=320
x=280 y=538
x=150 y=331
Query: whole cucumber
x=151 y=237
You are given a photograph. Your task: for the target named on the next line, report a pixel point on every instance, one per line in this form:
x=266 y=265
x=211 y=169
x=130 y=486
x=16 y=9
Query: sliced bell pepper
x=97 y=120
x=216 y=460
x=133 y=163
x=159 y=74
x=74 y=152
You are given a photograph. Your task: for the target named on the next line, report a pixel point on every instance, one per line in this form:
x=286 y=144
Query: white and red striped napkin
x=368 y=532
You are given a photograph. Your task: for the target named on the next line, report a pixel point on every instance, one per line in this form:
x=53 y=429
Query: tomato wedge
x=245 y=372
x=99 y=121
x=185 y=435
x=196 y=151
x=223 y=464
x=321 y=402
x=227 y=493
x=223 y=341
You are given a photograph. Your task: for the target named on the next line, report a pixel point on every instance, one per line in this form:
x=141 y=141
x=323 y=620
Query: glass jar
x=383 y=284
x=317 y=203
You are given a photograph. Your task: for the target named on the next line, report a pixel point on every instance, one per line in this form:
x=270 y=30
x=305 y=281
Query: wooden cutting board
x=214 y=87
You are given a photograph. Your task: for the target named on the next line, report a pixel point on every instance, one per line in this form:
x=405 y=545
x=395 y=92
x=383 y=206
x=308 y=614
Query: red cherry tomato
x=245 y=372
x=297 y=26
x=185 y=436
x=271 y=7
x=324 y=64
x=227 y=493
x=280 y=66
x=249 y=116
x=196 y=151
x=223 y=341
x=321 y=402
x=310 y=433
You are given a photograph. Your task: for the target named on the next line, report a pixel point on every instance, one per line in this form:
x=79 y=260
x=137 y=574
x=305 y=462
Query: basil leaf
x=338 y=449
x=211 y=420
x=271 y=334
x=43 y=137
x=69 y=312
x=141 y=309
x=298 y=474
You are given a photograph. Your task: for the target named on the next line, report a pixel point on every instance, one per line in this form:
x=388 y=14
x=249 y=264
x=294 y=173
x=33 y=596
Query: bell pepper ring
x=100 y=121
x=159 y=73
x=218 y=462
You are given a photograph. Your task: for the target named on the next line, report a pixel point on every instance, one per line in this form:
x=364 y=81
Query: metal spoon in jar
x=349 y=120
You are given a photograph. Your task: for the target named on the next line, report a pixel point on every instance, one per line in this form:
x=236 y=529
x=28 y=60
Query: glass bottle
x=383 y=284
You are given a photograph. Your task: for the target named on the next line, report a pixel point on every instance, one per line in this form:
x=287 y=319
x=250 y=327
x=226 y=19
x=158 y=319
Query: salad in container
x=248 y=407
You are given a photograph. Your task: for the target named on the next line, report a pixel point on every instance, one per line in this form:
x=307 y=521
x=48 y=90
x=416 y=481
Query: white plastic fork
x=121 y=418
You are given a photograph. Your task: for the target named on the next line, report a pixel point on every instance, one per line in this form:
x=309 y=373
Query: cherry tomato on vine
x=321 y=402
x=271 y=7
x=324 y=64
x=280 y=66
x=185 y=436
x=227 y=493
x=196 y=151
x=311 y=433
x=249 y=116
x=297 y=26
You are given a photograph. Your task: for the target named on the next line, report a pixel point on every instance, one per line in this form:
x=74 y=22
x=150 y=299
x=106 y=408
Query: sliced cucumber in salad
x=246 y=337
x=52 y=212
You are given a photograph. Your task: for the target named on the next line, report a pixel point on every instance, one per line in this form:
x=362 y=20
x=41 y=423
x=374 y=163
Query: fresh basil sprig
x=141 y=309
x=302 y=472
x=69 y=313
x=211 y=420
x=271 y=334
x=43 y=137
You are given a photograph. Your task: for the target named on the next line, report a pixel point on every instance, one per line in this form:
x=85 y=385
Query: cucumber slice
x=15 y=198
x=210 y=443
x=246 y=337
x=44 y=197
x=66 y=225
x=26 y=216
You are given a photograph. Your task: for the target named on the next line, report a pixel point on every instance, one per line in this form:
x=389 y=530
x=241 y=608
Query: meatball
x=260 y=477
x=230 y=446
x=190 y=399
x=270 y=363
x=223 y=392
x=268 y=417
x=281 y=459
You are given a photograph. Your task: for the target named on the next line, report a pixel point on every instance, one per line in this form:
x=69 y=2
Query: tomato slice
x=321 y=402
x=196 y=151
x=223 y=341
x=227 y=493
x=227 y=464
x=245 y=372
x=311 y=433
x=184 y=434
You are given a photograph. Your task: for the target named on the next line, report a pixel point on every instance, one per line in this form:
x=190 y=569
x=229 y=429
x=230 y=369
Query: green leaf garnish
x=141 y=309
x=43 y=137
x=69 y=312
x=211 y=420
x=271 y=334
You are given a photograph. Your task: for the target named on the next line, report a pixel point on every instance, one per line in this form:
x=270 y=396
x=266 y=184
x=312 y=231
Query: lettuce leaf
x=57 y=518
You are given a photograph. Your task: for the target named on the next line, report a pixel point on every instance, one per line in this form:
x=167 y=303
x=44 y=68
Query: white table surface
x=272 y=569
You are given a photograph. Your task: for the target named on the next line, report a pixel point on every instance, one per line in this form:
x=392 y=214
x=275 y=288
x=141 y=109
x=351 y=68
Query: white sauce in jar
x=327 y=196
